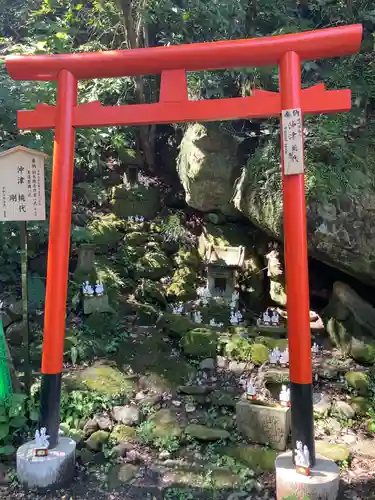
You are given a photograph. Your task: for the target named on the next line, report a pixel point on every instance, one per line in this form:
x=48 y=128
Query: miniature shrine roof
x=225 y=256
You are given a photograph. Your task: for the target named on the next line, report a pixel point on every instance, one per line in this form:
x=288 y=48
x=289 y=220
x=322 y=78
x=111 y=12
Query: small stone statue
x=315 y=348
x=239 y=316
x=41 y=442
x=141 y=219
x=178 y=309
x=284 y=396
x=277 y=353
x=204 y=294
x=251 y=391
x=273 y=358
x=99 y=289
x=233 y=318
x=87 y=289
x=302 y=459
x=197 y=317
x=213 y=322
x=266 y=318
x=284 y=357
x=275 y=318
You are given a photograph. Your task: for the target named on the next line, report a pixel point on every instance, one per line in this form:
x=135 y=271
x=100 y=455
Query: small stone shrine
x=94 y=298
x=223 y=264
x=131 y=174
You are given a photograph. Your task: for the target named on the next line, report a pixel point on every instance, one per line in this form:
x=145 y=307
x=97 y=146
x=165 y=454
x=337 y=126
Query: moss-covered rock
x=223 y=398
x=360 y=405
x=259 y=354
x=272 y=343
x=77 y=435
x=363 y=351
x=136 y=239
x=358 y=381
x=174 y=325
x=207 y=167
x=204 y=433
x=153 y=265
x=187 y=258
x=238 y=348
x=183 y=284
x=122 y=474
x=151 y=291
x=335 y=452
x=96 y=441
x=123 y=433
x=350 y=323
x=105 y=234
x=106 y=379
x=129 y=201
x=165 y=424
x=146 y=314
x=201 y=342
x=256 y=458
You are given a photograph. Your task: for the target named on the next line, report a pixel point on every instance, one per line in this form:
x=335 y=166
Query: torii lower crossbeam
x=287 y=51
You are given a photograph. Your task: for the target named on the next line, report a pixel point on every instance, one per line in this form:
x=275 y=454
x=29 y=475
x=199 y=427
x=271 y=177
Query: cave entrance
x=172 y=63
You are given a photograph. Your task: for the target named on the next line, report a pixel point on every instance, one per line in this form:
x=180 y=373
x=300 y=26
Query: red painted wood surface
x=174 y=109
x=318 y=44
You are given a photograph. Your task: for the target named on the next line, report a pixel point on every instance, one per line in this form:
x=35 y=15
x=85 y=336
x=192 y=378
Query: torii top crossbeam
x=330 y=42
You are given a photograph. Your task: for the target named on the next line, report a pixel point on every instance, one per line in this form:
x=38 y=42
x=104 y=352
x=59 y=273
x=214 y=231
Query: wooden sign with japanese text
x=291 y=123
x=22 y=196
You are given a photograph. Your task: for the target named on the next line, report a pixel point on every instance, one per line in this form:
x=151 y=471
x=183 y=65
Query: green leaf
x=18 y=422
x=34 y=416
x=7 y=450
x=73 y=354
x=62 y=36
x=4 y=431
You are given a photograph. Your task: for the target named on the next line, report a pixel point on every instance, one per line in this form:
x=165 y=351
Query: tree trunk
x=134 y=32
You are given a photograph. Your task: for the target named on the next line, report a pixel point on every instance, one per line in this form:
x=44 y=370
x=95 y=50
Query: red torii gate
x=174 y=106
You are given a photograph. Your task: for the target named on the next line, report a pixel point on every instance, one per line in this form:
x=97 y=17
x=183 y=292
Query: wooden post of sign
x=22 y=199
x=25 y=304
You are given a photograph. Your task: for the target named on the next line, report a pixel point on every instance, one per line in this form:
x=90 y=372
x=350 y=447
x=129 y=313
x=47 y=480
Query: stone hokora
x=264 y=424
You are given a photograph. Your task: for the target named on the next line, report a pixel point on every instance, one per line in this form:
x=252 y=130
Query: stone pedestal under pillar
x=323 y=483
x=54 y=471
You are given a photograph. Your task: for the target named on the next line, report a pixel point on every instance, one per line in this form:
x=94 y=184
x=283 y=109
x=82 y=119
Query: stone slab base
x=96 y=304
x=323 y=484
x=264 y=424
x=53 y=471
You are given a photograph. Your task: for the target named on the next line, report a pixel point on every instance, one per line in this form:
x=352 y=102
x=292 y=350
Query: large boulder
x=207 y=164
x=350 y=323
x=340 y=192
x=130 y=201
x=103 y=379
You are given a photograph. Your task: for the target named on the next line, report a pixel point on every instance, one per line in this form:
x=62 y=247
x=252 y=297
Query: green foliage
x=15 y=415
x=78 y=405
x=238 y=348
x=146 y=435
x=100 y=335
x=36 y=292
x=174 y=231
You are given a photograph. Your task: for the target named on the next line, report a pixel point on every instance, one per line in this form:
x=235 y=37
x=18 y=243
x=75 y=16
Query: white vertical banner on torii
x=292 y=130
x=22 y=193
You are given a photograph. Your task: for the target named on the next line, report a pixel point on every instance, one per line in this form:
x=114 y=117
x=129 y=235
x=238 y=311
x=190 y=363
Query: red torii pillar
x=174 y=106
